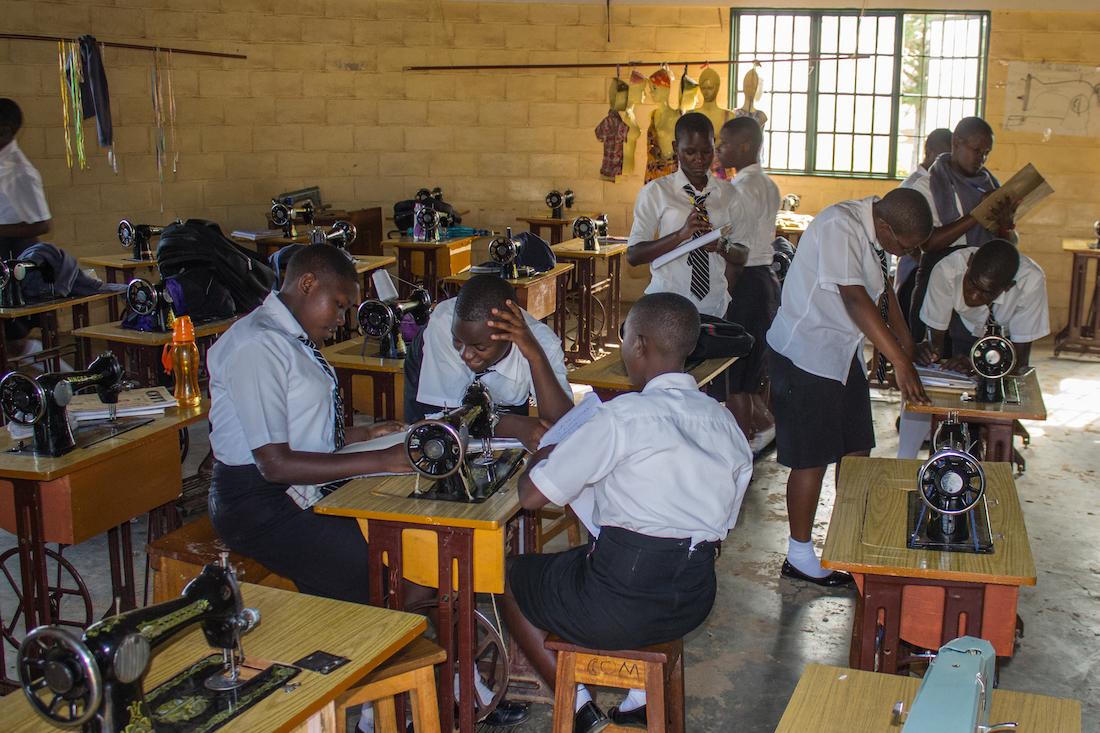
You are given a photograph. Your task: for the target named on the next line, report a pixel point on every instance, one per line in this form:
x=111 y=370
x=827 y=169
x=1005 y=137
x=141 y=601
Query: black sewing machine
x=556 y=200
x=12 y=273
x=41 y=401
x=381 y=320
x=948 y=511
x=147 y=299
x=431 y=222
x=584 y=228
x=504 y=252
x=438 y=449
x=285 y=213
x=341 y=234
x=94 y=682
x=993 y=357
x=601 y=225
x=136 y=237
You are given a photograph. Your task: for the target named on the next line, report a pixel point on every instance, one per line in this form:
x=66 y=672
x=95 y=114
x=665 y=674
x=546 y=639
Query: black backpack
x=198 y=248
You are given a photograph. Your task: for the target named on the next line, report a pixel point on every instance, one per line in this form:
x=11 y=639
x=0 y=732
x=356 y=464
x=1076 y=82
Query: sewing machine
x=504 y=251
x=429 y=222
x=12 y=273
x=146 y=299
x=956 y=693
x=41 y=401
x=948 y=510
x=94 y=682
x=556 y=200
x=791 y=202
x=601 y=225
x=381 y=320
x=340 y=235
x=584 y=228
x=285 y=213
x=438 y=449
x=136 y=237
x=993 y=357
x=782 y=256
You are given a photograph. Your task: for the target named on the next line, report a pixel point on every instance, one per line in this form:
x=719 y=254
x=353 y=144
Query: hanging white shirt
x=1022 y=309
x=812 y=327
x=752 y=208
x=22 y=199
x=266 y=387
x=444 y=377
x=668 y=461
x=661 y=208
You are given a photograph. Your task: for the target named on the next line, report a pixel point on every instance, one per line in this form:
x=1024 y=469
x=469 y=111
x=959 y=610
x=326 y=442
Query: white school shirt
x=909 y=263
x=668 y=461
x=812 y=327
x=753 y=205
x=1022 y=309
x=21 y=197
x=444 y=377
x=266 y=387
x=923 y=184
x=661 y=208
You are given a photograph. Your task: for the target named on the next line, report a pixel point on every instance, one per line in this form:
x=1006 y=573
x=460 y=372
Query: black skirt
x=754 y=301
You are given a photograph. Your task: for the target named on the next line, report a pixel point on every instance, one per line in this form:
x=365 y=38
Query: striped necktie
x=991 y=320
x=883 y=308
x=337 y=400
x=697 y=258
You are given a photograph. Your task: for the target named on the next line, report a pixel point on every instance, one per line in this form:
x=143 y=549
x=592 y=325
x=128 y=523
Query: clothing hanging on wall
x=96 y=96
x=656 y=165
x=612 y=132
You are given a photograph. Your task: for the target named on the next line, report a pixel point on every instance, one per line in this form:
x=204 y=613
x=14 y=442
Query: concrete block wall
x=322 y=99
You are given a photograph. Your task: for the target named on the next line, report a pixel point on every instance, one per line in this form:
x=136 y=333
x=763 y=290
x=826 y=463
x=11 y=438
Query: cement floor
x=744 y=662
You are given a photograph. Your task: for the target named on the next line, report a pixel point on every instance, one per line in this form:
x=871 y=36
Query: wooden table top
x=410 y=243
x=574 y=248
x=869 y=527
x=291 y=626
x=520 y=282
x=387 y=498
x=547 y=220
x=117 y=262
x=837 y=700
x=1031 y=405
x=1081 y=246
x=349 y=355
x=370 y=263
x=608 y=372
x=277 y=239
x=115 y=333
x=53 y=305
x=47 y=468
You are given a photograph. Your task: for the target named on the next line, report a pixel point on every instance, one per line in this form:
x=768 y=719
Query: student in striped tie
x=276 y=424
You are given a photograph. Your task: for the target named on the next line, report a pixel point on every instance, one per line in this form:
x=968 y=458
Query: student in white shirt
x=277 y=422
x=833 y=297
x=937 y=143
x=669 y=468
x=24 y=214
x=753 y=287
x=484 y=335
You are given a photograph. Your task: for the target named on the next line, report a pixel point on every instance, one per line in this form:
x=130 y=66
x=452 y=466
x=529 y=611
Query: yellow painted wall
x=322 y=99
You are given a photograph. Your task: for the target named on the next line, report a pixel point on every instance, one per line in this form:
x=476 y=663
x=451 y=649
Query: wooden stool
x=180 y=555
x=411 y=670
x=657 y=669
x=561 y=520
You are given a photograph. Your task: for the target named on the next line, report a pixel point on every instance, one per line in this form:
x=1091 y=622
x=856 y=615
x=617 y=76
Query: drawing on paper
x=1062 y=98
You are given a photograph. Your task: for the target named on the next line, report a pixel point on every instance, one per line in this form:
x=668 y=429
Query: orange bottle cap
x=183 y=332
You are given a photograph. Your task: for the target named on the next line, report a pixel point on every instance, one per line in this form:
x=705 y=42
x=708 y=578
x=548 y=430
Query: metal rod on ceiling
x=783 y=56
x=134 y=46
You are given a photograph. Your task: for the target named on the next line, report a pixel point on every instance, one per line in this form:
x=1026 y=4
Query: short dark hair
x=480 y=294
x=907 y=212
x=997 y=261
x=694 y=122
x=669 y=321
x=747 y=127
x=10 y=115
x=938 y=139
x=969 y=126
x=322 y=260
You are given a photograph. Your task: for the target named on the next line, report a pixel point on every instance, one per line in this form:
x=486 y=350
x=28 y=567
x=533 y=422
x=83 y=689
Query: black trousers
x=323 y=555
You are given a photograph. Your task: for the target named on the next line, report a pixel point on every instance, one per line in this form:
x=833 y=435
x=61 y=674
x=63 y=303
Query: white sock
x=801 y=555
x=583 y=698
x=634 y=699
x=366 y=718
x=483 y=691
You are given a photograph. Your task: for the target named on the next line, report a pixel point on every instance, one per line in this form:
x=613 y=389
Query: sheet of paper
x=131 y=403
x=1028 y=187
x=690 y=245
x=584 y=506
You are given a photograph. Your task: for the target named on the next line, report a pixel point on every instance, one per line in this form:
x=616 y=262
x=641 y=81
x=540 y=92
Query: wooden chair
x=561 y=520
x=411 y=670
x=658 y=669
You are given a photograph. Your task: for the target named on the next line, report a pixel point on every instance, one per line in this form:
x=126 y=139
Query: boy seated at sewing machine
x=668 y=467
x=484 y=335
x=277 y=422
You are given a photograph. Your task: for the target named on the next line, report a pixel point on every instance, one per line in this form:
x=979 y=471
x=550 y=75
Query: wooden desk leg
x=586 y=312
x=998 y=441
x=456 y=624
x=385 y=397
x=82 y=318
x=385 y=582
x=561 y=291
x=344 y=380
x=962 y=611
x=431 y=277
x=404 y=272
x=49 y=341
x=879 y=595
x=614 y=274
x=120 y=552
x=35 y=603
x=112 y=275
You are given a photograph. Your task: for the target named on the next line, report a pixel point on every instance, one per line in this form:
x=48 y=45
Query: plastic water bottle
x=181 y=358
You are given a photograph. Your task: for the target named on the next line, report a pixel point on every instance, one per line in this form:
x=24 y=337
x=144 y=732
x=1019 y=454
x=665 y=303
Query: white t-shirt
x=909 y=263
x=923 y=184
x=1022 y=309
x=21 y=197
x=812 y=327
x=668 y=461
x=444 y=377
x=266 y=387
x=661 y=208
x=753 y=206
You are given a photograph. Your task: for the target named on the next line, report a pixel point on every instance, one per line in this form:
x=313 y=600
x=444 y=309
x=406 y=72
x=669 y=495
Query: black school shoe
x=508 y=713
x=834 y=579
x=590 y=719
x=632 y=717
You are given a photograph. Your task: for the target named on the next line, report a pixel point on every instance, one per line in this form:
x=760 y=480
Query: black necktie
x=337 y=400
x=697 y=258
x=883 y=308
x=991 y=320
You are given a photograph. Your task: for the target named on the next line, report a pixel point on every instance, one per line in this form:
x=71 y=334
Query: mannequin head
x=617 y=94
x=751 y=88
x=689 y=92
x=659 y=86
x=638 y=84
x=709 y=82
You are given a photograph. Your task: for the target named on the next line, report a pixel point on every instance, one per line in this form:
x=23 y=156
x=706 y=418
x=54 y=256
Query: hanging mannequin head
x=709 y=82
x=618 y=94
x=638 y=83
x=659 y=87
x=751 y=88
x=689 y=91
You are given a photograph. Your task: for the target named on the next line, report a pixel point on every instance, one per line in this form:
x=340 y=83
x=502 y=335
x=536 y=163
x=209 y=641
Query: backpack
x=221 y=264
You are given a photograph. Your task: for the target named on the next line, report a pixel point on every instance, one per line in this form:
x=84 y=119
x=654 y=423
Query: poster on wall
x=1059 y=99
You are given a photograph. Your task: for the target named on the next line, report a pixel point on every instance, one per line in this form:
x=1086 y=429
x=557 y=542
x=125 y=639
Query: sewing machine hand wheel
x=993 y=357
x=423 y=196
x=428 y=218
x=554 y=199
x=502 y=250
x=22 y=399
x=376 y=319
x=344 y=232
x=5 y=274
x=126 y=233
x=141 y=297
x=53 y=660
x=584 y=228
x=435 y=448
x=951 y=474
x=280 y=214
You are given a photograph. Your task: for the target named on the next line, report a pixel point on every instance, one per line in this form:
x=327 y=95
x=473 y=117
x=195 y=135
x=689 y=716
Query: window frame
x=812 y=93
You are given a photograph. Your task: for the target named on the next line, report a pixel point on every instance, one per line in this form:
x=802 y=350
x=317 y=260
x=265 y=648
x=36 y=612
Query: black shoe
x=508 y=713
x=590 y=719
x=834 y=579
x=632 y=717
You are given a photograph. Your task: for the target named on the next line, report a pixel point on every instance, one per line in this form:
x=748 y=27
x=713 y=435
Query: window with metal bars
x=855 y=94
